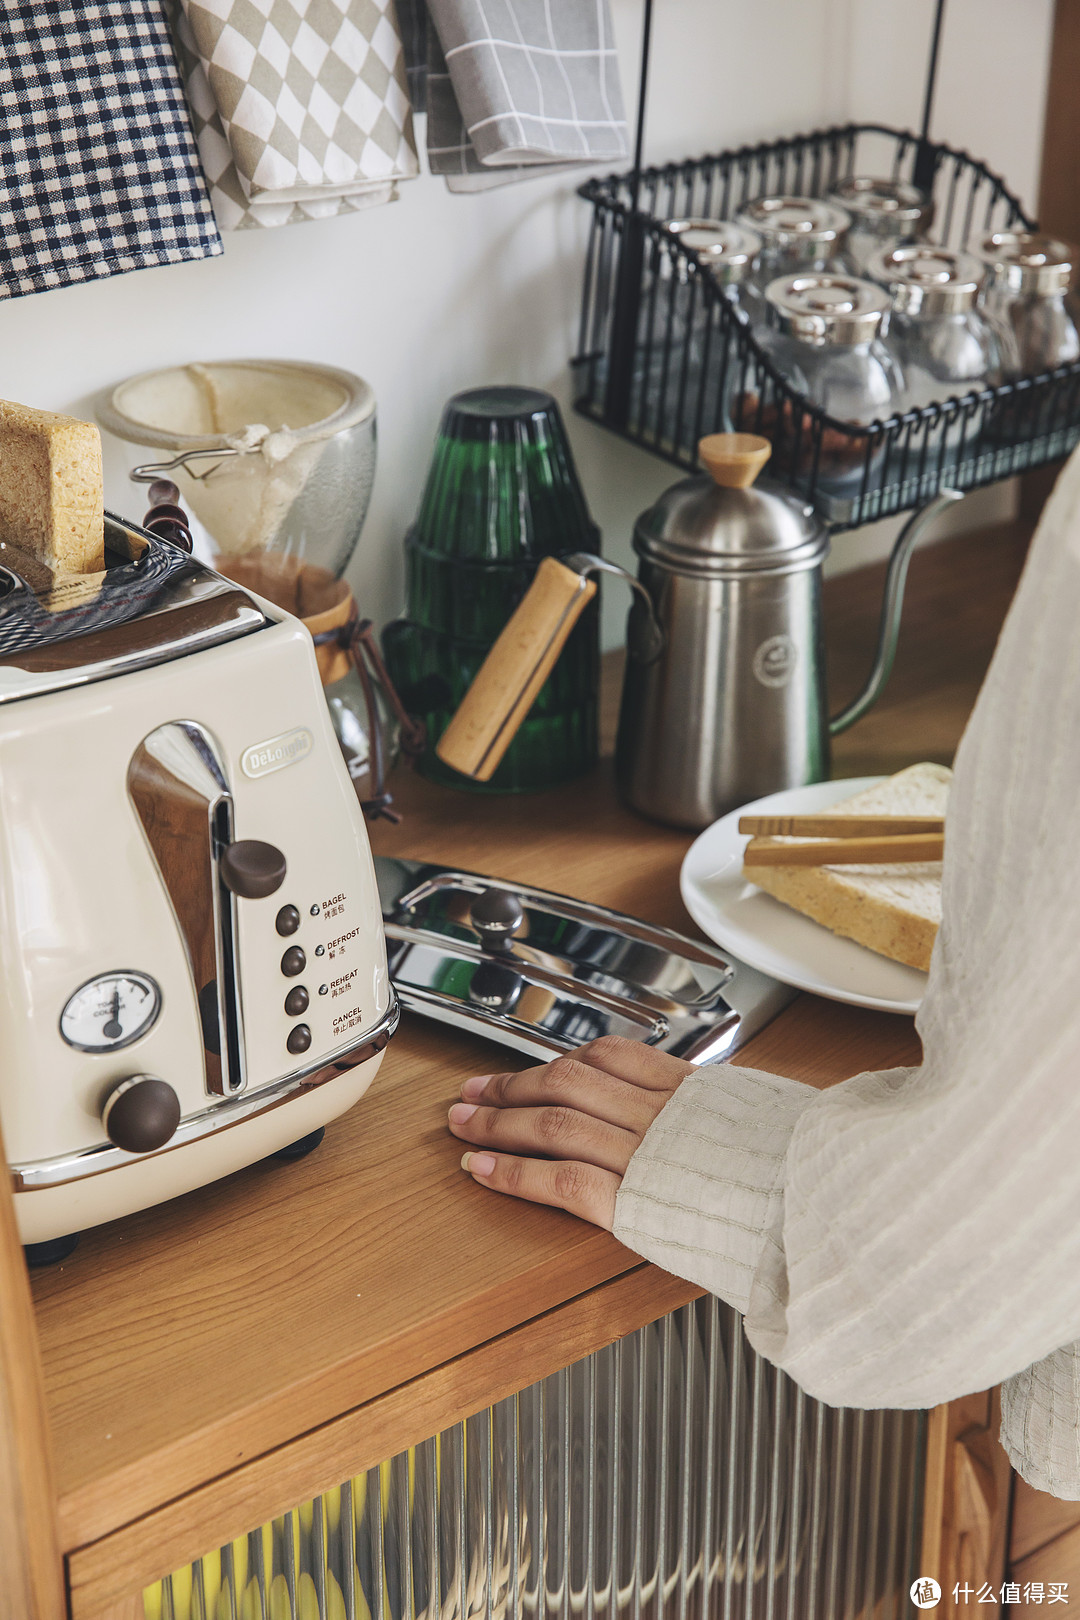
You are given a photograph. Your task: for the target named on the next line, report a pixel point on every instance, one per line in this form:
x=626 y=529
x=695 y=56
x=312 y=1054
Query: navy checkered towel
x=98 y=168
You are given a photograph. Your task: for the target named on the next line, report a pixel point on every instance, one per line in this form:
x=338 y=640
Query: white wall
x=437 y=293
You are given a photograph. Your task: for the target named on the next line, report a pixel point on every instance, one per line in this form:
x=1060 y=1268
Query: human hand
x=564 y=1133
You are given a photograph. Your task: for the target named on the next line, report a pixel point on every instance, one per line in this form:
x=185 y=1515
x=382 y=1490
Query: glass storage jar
x=799 y=235
x=945 y=344
x=1029 y=292
x=730 y=252
x=827 y=337
x=884 y=214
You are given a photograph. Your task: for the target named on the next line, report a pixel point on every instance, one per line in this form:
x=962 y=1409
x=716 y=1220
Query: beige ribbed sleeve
x=909 y=1236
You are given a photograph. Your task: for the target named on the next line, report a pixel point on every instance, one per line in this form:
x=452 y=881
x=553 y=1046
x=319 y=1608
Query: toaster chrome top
x=544 y=973
x=152 y=603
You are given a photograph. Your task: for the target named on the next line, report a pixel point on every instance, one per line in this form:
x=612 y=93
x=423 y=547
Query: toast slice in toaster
x=51 y=498
x=894 y=910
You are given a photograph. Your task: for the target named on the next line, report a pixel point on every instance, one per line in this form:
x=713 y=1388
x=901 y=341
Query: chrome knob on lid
x=729 y=250
x=802 y=228
x=1028 y=262
x=928 y=280
x=889 y=208
x=821 y=309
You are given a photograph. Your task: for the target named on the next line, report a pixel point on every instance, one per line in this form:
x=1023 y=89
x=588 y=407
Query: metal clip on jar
x=1029 y=292
x=798 y=234
x=884 y=214
x=945 y=345
x=828 y=341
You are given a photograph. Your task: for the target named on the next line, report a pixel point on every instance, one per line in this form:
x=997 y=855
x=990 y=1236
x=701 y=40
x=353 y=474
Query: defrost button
x=293 y=962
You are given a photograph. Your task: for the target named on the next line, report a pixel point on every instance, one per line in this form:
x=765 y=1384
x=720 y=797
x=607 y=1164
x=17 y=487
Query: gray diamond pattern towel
x=520 y=87
x=98 y=170
x=300 y=107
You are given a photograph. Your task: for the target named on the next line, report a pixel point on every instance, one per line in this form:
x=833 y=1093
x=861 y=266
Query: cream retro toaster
x=194 y=972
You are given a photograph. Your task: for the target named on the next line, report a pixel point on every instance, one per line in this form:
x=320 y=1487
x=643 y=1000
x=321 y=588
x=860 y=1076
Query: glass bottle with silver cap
x=828 y=340
x=945 y=344
x=1029 y=290
x=730 y=252
x=798 y=234
x=884 y=214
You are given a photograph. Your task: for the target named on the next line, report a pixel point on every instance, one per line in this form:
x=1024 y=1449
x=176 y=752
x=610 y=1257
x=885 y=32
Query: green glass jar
x=502 y=494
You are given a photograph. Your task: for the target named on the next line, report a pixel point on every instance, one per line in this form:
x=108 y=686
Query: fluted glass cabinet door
x=673 y=1475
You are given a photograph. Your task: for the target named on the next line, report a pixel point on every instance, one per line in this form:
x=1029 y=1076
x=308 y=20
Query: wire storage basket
x=665 y=357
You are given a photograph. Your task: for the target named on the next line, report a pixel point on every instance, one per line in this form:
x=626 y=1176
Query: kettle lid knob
x=734 y=459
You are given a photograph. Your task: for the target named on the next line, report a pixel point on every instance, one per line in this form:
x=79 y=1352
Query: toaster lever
x=177 y=784
x=252 y=869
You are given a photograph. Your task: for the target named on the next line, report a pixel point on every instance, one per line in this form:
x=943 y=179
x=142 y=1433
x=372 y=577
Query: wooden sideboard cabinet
x=204 y=1367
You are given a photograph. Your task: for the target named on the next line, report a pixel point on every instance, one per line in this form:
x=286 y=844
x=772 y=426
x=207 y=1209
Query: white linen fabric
x=909 y=1236
x=300 y=107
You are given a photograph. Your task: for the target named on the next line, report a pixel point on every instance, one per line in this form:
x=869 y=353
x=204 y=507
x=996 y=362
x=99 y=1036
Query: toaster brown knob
x=141 y=1114
x=252 y=869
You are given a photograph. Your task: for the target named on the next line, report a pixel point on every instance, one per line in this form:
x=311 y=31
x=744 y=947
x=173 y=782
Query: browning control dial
x=110 y=1011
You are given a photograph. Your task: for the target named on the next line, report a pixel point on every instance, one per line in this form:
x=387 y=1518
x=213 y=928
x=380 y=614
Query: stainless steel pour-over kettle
x=724 y=698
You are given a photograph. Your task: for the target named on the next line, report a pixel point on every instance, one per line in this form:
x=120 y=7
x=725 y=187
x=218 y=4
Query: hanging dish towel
x=520 y=87
x=98 y=170
x=300 y=107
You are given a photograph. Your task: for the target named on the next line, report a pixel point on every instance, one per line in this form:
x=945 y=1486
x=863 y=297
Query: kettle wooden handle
x=507 y=682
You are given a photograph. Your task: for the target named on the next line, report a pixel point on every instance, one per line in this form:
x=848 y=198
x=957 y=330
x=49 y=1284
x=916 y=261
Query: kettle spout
x=892 y=604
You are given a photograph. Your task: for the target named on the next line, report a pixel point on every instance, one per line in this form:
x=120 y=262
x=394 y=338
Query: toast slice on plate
x=894 y=910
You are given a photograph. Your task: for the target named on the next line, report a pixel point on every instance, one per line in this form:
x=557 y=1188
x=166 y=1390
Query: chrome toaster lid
x=153 y=603
x=543 y=973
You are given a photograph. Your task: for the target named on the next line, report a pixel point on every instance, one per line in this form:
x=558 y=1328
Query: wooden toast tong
x=845 y=840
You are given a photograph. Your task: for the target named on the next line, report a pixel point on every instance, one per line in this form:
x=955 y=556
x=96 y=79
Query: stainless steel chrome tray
x=544 y=973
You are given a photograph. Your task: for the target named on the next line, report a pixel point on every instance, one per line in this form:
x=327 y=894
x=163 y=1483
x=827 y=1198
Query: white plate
x=769 y=935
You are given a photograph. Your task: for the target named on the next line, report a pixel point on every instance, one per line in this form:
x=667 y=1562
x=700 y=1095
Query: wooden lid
x=734 y=459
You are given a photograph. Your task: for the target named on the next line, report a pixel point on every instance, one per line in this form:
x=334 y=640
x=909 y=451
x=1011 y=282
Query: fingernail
x=473 y=1088
x=460 y=1112
x=478 y=1164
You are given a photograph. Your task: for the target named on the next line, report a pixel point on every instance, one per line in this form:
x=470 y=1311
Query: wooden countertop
x=183 y=1343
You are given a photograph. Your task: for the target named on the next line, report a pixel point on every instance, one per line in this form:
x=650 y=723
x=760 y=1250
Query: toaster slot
x=177 y=784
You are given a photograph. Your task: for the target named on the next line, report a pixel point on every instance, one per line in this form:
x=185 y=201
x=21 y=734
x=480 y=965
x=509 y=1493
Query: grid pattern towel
x=300 y=107
x=520 y=87
x=912 y=1235
x=98 y=170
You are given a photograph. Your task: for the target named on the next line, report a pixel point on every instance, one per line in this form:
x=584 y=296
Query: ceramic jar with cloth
x=517 y=88
x=98 y=170
x=300 y=107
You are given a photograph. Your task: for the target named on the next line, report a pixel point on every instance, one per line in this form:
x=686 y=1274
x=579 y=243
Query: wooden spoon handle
x=848 y=851
x=507 y=682
x=838 y=826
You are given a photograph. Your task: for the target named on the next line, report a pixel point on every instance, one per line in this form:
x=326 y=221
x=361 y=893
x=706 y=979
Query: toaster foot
x=47 y=1254
x=295 y=1150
